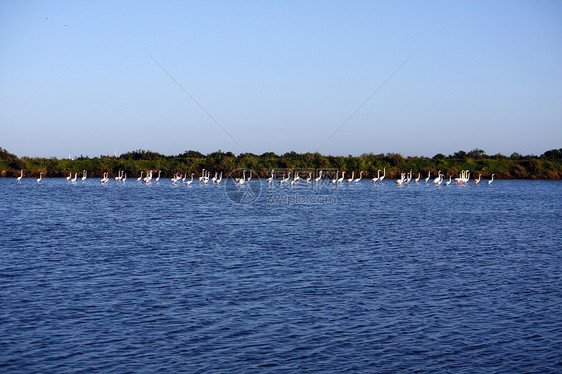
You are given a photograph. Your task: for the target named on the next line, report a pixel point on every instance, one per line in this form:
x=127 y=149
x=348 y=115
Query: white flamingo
x=218 y=181
x=383 y=175
x=409 y=177
x=285 y=180
x=139 y=178
x=449 y=181
x=295 y=178
x=317 y=179
x=40 y=177
x=491 y=180
x=190 y=181
x=336 y=179
x=205 y=177
x=124 y=179
x=377 y=177
x=342 y=176
x=148 y=178
x=158 y=178
x=437 y=180
x=74 y=180
x=360 y=176
x=243 y=179
x=428 y=176
x=400 y=181
x=349 y=180
x=84 y=176
x=460 y=179
x=476 y=181
x=68 y=178
x=20 y=177
x=270 y=179
x=418 y=178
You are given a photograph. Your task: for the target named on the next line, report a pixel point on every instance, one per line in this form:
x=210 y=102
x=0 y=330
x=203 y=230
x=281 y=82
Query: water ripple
x=135 y=278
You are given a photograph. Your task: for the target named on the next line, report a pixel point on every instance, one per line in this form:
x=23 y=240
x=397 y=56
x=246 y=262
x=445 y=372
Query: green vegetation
x=546 y=166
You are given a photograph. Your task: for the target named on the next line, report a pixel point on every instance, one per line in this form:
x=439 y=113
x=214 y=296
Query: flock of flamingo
x=205 y=177
x=404 y=178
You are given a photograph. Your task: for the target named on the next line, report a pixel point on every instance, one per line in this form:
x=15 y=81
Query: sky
x=338 y=77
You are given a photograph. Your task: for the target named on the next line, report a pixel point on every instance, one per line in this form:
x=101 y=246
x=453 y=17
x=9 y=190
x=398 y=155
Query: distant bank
x=546 y=166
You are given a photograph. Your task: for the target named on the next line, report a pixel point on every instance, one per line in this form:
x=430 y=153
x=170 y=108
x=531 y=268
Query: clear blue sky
x=280 y=76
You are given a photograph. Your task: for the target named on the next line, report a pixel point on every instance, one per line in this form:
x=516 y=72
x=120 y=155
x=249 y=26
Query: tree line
x=546 y=166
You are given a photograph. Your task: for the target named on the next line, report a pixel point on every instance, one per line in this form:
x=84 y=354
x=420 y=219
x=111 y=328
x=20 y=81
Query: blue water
x=360 y=278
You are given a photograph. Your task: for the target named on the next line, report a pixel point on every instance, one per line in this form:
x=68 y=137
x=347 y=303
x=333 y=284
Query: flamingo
x=40 y=177
x=202 y=175
x=284 y=180
x=336 y=179
x=352 y=177
x=437 y=180
x=449 y=181
x=360 y=176
x=243 y=179
x=383 y=175
x=84 y=175
x=218 y=181
x=317 y=179
x=428 y=176
x=68 y=178
x=20 y=177
x=124 y=179
x=418 y=178
x=118 y=177
x=139 y=178
x=309 y=178
x=270 y=179
x=148 y=178
x=105 y=178
x=377 y=177
x=476 y=181
x=158 y=178
x=74 y=180
x=460 y=179
x=409 y=177
x=401 y=180
x=342 y=176
x=189 y=181
x=295 y=178
x=204 y=178
x=491 y=180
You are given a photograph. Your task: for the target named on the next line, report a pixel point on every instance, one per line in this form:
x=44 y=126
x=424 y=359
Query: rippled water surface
x=362 y=278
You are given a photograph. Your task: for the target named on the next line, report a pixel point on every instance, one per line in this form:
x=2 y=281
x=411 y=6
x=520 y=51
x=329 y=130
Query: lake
x=128 y=277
